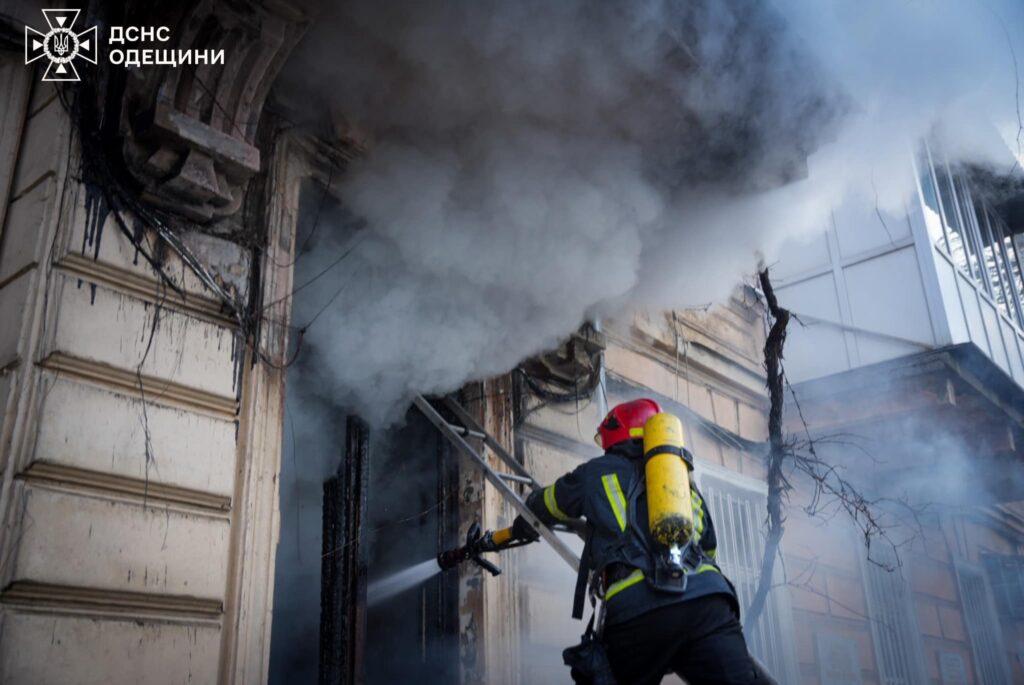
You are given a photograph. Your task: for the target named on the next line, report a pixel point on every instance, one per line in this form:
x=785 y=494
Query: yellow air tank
x=669 y=508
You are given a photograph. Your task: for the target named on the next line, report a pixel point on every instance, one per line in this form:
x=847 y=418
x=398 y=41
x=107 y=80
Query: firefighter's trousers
x=701 y=640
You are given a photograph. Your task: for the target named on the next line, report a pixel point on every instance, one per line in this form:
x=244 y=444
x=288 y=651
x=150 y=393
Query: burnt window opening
x=412 y=634
x=356 y=505
x=343 y=573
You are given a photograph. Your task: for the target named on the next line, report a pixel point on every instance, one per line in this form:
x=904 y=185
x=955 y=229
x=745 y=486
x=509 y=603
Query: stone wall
x=129 y=482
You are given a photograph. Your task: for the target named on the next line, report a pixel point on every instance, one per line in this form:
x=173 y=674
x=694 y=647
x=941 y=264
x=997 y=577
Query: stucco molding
x=49 y=598
x=188 y=500
x=190 y=130
x=146 y=289
x=142 y=386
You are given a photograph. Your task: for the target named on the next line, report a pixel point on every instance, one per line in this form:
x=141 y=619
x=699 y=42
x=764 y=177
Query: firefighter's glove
x=521 y=530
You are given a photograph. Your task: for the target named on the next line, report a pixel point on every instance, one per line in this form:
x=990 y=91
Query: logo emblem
x=61 y=45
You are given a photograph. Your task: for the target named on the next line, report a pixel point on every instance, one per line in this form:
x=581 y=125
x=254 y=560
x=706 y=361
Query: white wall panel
x=1015 y=343
x=801 y=254
x=886 y=296
x=958 y=331
x=861 y=226
x=991 y=318
x=816 y=349
x=972 y=309
x=547 y=463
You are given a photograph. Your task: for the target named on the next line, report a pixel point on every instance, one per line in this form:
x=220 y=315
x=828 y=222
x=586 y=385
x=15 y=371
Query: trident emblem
x=61 y=45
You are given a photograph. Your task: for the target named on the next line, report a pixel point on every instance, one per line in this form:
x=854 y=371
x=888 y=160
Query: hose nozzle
x=477 y=542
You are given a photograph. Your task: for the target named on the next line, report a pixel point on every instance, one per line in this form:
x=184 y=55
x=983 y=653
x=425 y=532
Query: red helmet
x=625 y=422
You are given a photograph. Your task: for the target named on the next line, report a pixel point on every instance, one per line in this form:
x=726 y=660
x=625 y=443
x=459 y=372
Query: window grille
x=974 y=237
x=738 y=513
x=983 y=626
x=1006 y=577
x=894 y=630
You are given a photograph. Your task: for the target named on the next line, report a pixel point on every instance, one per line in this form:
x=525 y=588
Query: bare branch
x=778 y=484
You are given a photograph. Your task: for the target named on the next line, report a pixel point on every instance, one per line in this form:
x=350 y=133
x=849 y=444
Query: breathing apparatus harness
x=673 y=551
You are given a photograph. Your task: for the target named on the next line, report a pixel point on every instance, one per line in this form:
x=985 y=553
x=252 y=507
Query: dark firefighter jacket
x=600 y=491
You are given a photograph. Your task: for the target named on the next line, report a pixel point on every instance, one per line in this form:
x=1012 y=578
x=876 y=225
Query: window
x=1006 y=577
x=893 y=623
x=982 y=626
x=737 y=513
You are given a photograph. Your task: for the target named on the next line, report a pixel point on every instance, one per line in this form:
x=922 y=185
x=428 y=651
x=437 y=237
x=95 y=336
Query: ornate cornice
x=190 y=129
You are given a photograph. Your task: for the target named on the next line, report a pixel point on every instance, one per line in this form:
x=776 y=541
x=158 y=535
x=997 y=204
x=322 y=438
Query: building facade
x=906 y=363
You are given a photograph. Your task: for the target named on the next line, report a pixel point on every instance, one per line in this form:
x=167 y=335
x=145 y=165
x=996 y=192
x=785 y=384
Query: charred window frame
x=343 y=571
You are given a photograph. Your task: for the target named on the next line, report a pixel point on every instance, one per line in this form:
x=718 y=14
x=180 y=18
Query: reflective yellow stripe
x=638 y=575
x=620 y=585
x=698 y=514
x=636 y=432
x=713 y=553
x=552 y=505
x=613 y=490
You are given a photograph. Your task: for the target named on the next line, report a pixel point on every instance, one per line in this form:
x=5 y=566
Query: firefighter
x=653 y=624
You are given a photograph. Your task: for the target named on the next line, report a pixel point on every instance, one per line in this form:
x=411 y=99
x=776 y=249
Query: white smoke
x=535 y=163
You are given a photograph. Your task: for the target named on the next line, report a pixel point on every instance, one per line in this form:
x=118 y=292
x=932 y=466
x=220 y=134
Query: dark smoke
x=531 y=164
x=525 y=157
